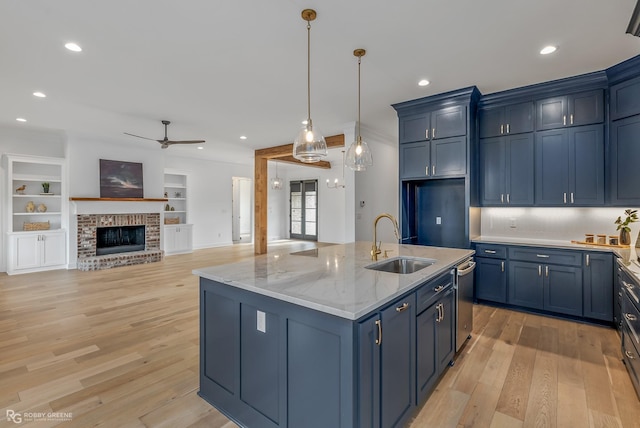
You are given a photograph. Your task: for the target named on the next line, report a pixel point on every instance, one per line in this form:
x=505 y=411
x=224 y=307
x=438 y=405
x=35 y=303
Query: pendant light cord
x=309 y=73
x=359 y=137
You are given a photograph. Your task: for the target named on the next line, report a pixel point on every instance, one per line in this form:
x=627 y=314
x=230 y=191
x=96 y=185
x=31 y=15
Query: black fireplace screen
x=119 y=239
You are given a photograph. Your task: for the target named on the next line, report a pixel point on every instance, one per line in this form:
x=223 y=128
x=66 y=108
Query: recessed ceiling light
x=39 y=95
x=21 y=119
x=73 y=47
x=200 y=148
x=423 y=82
x=243 y=137
x=547 y=50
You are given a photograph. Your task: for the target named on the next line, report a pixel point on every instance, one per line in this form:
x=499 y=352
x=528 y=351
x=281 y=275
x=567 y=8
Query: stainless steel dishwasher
x=464 y=301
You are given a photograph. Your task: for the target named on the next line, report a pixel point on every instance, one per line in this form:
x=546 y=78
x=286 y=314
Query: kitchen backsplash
x=561 y=224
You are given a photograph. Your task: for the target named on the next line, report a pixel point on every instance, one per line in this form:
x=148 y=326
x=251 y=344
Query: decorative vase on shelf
x=45 y=187
x=625 y=237
x=42 y=208
x=635 y=229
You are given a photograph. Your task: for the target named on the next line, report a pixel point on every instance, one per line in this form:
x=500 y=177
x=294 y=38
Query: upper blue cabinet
x=440 y=123
x=506 y=120
x=625 y=99
x=583 y=108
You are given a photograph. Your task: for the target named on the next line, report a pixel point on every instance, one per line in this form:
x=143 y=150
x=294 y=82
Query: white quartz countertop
x=542 y=243
x=333 y=279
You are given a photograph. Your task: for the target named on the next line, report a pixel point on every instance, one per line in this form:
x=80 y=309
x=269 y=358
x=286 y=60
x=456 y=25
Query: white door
x=241 y=210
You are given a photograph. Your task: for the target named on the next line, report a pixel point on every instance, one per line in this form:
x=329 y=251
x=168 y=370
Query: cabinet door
x=586 y=165
x=219 y=327
x=552 y=113
x=397 y=361
x=491 y=121
x=427 y=358
x=625 y=99
x=492 y=171
x=54 y=249
x=369 y=373
x=625 y=158
x=184 y=238
x=563 y=289
x=446 y=334
x=415 y=128
x=598 y=290
x=552 y=167
x=415 y=160
x=449 y=122
x=586 y=108
x=491 y=280
x=449 y=157
x=519 y=172
x=519 y=118
x=26 y=251
x=526 y=284
x=170 y=239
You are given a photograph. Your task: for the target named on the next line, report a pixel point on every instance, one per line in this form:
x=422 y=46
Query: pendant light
x=359 y=155
x=309 y=146
x=336 y=183
x=276 y=182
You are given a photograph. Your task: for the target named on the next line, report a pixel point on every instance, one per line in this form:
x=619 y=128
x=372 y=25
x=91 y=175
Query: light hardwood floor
x=119 y=348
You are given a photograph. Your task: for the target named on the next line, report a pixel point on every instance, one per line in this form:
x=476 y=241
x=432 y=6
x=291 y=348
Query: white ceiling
x=225 y=68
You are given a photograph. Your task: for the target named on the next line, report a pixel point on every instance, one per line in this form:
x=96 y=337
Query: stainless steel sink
x=401 y=265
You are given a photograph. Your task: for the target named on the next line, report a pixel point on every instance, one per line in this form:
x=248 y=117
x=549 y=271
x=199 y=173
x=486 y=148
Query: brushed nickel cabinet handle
x=490 y=251
x=630 y=317
x=546 y=271
x=564 y=120
x=426 y=133
x=502 y=198
x=433 y=132
x=629 y=355
x=439 y=288
x=501 y=129
x=379 y=339
x=571 y=118
x=571 y=197
x=542 y=256
x=502 y=266
x=402 y=307
x=507 y=128
x=587 y=259
x=508 y=201
x=565 y=197
x=442 y=307
x=433 y=170
x=539 y=270
x=426 y=170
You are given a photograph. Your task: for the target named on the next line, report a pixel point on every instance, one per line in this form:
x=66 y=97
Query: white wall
x=18 y=140
x=277 y=204
x=378 y=188
x=210 y=196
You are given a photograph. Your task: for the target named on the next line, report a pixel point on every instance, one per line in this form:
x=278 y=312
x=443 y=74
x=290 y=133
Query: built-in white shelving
x=178 y=238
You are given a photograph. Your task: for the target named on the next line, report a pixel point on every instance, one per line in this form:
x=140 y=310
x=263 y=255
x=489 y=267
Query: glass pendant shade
x=359 y=155
x=309 y=145
x=276 y=182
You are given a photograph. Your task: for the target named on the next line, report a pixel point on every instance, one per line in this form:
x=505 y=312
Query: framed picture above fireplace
x=119 y=179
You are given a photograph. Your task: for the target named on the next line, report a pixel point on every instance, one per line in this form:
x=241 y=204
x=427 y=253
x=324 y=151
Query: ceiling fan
x=166 y=142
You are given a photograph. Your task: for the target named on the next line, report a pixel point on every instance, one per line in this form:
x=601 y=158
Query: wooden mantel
x=119 y=199
x=261 y=186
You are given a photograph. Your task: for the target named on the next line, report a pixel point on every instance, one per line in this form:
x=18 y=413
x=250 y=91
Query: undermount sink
x=401 y=265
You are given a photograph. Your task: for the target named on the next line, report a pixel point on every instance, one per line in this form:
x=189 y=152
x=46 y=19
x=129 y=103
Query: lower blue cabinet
x=435 y=342
x=598 y=289
x=491 y=279
x=526 y=285
x=563 y=289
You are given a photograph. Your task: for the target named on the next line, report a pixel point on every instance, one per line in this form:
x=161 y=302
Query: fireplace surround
x=87 y=240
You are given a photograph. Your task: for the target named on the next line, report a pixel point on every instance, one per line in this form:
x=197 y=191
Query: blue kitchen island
x=318 y=339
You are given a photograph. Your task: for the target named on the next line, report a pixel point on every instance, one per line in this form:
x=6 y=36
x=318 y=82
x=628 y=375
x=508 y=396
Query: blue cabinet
x=505 y=120
x=582 y=108
x=440 y=123
x=387 y=365
x=624 y=99
x=507 y=170
x=491 y=279
x=563 y=289
x=625 y=158
x=435 y=342
x=526 y=284
x=570 y=166
x=433 y=159
x=598 y=289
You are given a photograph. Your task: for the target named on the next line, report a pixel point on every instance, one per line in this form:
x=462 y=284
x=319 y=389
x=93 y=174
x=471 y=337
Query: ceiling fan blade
x=186 y=142
x=134 y=135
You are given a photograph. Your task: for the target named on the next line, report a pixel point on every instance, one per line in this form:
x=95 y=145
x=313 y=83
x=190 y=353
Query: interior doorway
x=303 y=200
x=241 y=225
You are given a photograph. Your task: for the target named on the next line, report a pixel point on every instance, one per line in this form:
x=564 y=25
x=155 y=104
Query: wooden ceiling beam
x=286 y=150
x=291 y=159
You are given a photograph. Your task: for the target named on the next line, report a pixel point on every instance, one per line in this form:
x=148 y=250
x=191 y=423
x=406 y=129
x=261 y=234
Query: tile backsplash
x=562 y=224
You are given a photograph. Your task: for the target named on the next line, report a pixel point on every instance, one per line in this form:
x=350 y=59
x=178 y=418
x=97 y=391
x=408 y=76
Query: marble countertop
x=333 y=279
x=543 y=243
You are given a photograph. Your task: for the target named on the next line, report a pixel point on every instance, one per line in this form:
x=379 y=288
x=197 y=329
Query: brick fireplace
x=87 y=240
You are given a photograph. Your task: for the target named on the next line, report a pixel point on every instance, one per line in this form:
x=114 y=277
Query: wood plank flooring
x=119 y=348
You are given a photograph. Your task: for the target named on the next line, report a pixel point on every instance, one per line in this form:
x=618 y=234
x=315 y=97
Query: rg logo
x=14 y=417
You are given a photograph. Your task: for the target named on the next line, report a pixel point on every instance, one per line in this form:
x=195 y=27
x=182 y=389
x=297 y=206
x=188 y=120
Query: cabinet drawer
x=428 y=293
x=491 y=250
x=546 y=256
